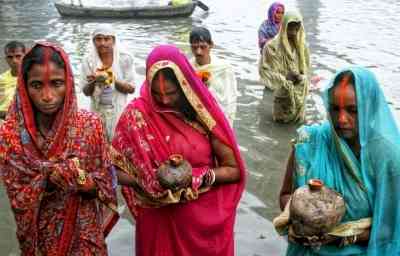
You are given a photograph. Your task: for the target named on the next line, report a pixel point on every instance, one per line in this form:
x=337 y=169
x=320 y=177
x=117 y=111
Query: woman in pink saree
x=176 y=114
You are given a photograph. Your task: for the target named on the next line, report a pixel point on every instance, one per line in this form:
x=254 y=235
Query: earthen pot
x=315 y=209
x=175 y=173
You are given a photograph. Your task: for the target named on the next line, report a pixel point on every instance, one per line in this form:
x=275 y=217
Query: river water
x=340 y=33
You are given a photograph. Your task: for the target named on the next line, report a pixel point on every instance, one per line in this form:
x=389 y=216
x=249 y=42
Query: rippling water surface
x=340 y=33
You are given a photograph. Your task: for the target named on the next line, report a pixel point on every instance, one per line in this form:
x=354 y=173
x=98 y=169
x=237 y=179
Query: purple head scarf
x=269 y=28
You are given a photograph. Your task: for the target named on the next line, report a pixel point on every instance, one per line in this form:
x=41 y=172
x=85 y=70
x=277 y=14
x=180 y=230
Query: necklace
x=43 y=131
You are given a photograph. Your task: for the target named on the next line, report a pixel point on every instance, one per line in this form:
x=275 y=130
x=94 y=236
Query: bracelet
x=81 y=179
x=354 y=239
x=209 y=177
x=348 y=241
x=212 y=176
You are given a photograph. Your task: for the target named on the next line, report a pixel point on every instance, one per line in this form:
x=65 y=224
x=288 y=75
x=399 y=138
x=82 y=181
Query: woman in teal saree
x=357 y=153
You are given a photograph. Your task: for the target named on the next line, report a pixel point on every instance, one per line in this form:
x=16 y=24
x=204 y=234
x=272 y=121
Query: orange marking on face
x=46 y=81
x=161 y=80
x=342 y=95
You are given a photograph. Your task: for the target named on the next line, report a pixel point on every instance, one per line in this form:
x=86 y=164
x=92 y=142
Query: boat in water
x=167 y=11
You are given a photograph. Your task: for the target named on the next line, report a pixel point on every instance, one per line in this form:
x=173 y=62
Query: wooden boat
x=69 y=10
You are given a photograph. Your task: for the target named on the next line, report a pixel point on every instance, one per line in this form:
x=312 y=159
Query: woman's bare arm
x=287 y=185
x=125 y=179
x=227 y=170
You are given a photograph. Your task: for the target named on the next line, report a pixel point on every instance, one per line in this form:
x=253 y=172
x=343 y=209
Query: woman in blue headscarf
x=357 y=153
x=270 y=27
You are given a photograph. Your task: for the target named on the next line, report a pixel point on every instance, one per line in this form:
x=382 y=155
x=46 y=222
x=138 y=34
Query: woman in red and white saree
x=54 y=163
x=176 y=114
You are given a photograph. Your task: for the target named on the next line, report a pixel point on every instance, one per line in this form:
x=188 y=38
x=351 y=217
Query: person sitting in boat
x=215 y=73
x=356 y=152
x=107 y=76
x=79 y=2
x=179 y=2
x=270 y=27
x=285 y=69
x=14 y=52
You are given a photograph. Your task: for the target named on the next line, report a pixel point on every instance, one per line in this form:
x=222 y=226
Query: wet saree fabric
x=278 y=59
x=58 y=220
x=369 y=184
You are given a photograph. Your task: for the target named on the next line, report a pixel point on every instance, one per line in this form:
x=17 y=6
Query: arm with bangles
x=284 y=196
x=227 y=170
x=90 y=176
x=121 y=86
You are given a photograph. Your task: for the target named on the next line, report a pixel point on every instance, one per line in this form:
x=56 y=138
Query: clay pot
x=315 y=209
x=175 y=173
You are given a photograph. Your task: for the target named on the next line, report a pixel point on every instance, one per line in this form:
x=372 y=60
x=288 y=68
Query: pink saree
x=194 y=221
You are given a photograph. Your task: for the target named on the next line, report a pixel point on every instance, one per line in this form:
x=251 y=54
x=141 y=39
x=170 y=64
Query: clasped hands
x=318 y=241
x=294 y=77
x=101 y=81
x=176 y=173
x=60 y=176
x=314 y=241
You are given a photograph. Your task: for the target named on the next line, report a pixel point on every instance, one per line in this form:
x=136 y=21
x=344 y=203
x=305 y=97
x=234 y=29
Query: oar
x=202 y=5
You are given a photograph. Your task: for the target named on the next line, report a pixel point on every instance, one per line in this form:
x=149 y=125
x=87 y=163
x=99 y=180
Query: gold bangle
x=354 y=239
x=81 y=177
x=81 y=180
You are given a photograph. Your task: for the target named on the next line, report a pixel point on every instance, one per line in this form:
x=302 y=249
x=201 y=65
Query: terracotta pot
x=315 y=209
x=175 y=173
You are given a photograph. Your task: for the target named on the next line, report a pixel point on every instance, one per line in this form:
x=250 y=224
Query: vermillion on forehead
x=46 y=55
x=161 y=81
x=342 y=91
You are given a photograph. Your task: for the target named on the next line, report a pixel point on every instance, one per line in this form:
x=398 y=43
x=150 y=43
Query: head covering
x=375 y=118
x=22 y=108
x=271 y=13
x=270 y=27
x=197 y=94
x=300 y=42
x=93 y=55
x=369 y=184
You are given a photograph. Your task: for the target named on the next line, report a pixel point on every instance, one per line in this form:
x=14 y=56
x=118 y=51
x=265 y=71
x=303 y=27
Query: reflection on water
x=339 y=33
